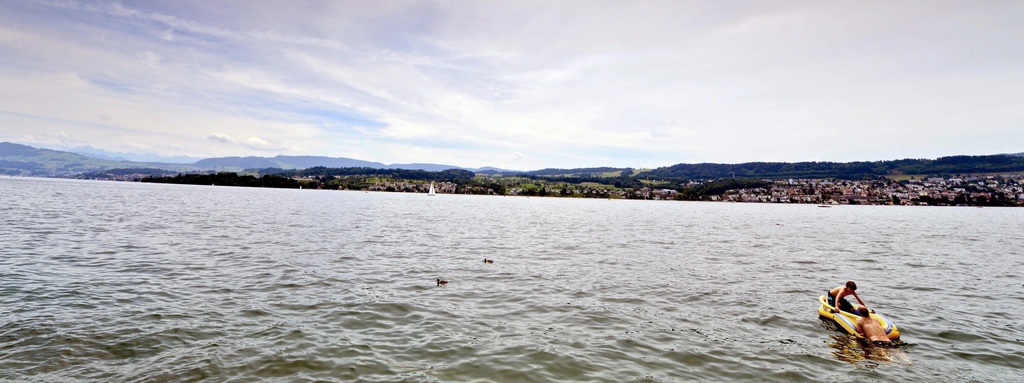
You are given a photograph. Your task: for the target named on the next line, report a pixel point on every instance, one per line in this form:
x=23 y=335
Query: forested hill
x=845 y=170
x=449 y=175
x=21 y=160
x=16 y=159
x=578 y=171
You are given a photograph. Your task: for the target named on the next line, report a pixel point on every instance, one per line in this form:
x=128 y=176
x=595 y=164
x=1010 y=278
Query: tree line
x=861 y=170
x=227 y=179
x=719 y=177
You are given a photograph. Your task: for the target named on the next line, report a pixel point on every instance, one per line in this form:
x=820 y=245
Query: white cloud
x=622 y=84
x=149 y=58
x=222 y=138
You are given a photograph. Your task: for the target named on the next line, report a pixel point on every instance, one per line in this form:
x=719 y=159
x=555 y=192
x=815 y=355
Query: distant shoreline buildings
x=988 y=190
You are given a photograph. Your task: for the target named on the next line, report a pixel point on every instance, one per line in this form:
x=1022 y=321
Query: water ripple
x=228 y=284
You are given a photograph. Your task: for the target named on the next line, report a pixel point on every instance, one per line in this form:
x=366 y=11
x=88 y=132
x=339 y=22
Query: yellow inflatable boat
x=848 y=321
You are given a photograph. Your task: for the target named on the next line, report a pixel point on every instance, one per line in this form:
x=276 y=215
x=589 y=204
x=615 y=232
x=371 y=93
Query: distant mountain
x=302 y=162
x=23 y=160
x=844 y=170
x=306 y=162
x=16 y=159
x=427 y=167
x=238 y=163
x=127 y=156
x=491 y=169
x=574 y=172
x=8 y=149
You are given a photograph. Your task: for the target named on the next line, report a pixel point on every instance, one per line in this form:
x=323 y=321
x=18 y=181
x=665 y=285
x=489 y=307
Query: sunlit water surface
x=106 y=281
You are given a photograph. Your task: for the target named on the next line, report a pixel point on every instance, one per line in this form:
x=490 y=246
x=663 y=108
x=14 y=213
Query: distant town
x=989 y=190
x=999 y=190
x=961 y=180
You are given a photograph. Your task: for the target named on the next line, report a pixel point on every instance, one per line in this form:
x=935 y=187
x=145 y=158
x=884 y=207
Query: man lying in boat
x=869 y=327
x=837 y=297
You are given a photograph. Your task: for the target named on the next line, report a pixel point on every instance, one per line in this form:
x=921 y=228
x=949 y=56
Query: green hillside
x=845 y=170
x=22 y=160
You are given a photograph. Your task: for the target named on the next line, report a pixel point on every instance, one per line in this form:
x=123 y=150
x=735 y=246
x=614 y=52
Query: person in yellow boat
x=837 y=297
x=870 y=328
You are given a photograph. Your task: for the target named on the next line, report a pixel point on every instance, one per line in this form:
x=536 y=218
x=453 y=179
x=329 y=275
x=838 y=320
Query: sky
x=517 y=84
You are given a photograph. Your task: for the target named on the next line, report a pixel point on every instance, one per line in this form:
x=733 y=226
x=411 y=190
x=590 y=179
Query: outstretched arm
x=858 y=299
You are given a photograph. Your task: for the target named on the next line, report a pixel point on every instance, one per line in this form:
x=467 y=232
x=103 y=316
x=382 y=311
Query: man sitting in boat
x=837 y=297
x=869 y=327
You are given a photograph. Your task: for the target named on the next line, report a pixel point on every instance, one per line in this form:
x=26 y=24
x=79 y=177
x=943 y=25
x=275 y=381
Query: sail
x=431 y=188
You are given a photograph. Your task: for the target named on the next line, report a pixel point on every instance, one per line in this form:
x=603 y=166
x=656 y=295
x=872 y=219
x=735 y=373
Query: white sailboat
x=431 y=192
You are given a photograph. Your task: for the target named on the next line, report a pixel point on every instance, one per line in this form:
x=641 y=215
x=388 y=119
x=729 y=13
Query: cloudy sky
x=517 y=84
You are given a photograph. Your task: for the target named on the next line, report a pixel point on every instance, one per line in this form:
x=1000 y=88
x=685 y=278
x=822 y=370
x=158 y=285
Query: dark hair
x=850 y=285
x=863 y=311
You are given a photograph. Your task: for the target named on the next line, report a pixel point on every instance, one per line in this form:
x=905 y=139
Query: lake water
x=107 y=281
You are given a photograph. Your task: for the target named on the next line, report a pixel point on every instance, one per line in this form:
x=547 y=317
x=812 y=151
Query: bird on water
x=442 y=282
x=488 y=260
